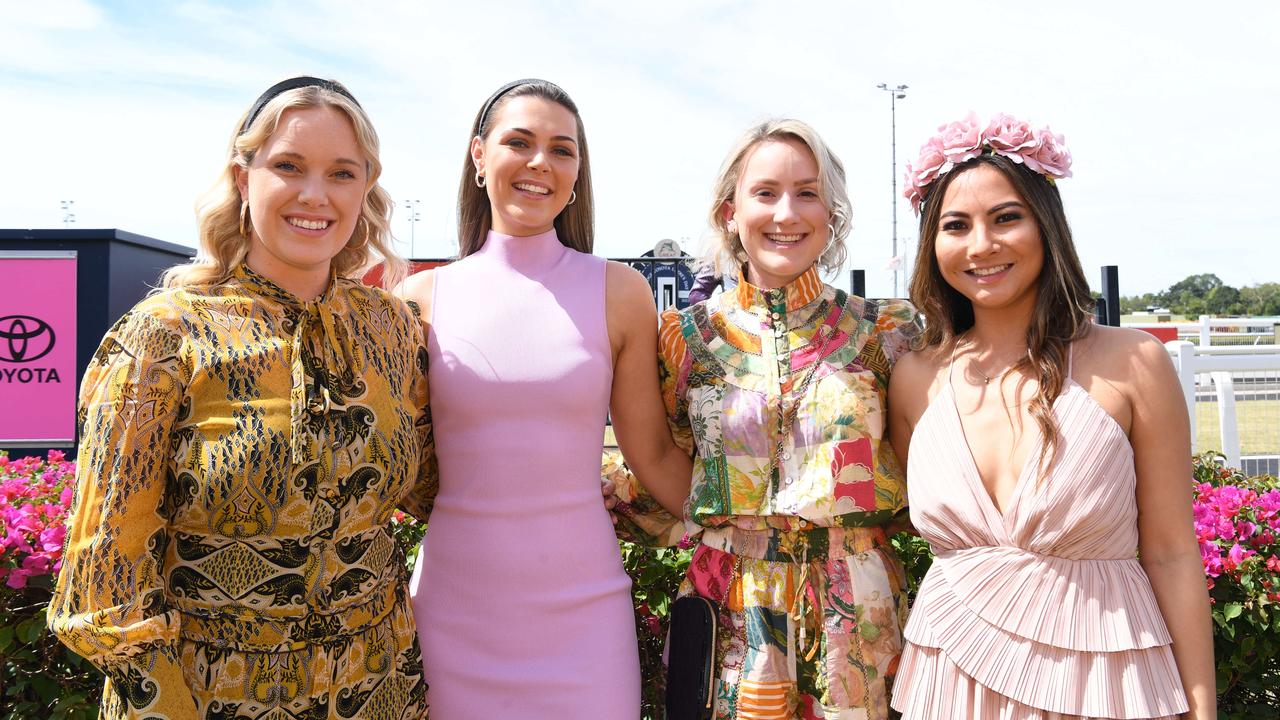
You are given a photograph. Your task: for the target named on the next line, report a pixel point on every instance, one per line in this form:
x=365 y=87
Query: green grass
x=1258 y=422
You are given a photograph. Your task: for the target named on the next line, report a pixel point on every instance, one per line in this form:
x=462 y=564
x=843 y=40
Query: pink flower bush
x=35 y=496
x=1237 y=528
x=965 y=139
x=1237 y=523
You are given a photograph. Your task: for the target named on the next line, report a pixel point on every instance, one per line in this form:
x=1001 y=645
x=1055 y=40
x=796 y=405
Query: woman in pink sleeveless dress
x=523 y=606
x=1046 y=462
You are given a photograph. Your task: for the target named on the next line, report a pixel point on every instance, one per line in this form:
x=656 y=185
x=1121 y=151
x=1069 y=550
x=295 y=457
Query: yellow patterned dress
x=779 y=396
x=230 y=552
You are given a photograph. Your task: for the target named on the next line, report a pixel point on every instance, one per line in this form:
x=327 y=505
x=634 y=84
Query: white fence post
x=1227 y=417
x=1204 y=331
x=1183 y=354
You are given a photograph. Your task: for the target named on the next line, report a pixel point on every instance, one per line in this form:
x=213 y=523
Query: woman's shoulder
x=417 y=291
x=156 y=326
x=889 y=313
x=170 y=307
x=626 y=289
x=618 y=275
x=381 y=300
x=897 y=324
x=1123 y=354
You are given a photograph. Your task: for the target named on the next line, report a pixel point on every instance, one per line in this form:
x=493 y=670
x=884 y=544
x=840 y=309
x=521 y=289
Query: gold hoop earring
x=479 y=179
x=573 y=197
x=244 y=217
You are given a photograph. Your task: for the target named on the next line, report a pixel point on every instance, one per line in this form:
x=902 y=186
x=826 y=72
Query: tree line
x=1206 y=294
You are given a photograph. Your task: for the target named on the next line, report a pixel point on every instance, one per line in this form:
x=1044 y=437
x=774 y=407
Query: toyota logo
x=24 y=338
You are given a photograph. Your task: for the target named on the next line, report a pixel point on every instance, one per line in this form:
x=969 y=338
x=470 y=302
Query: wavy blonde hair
x=831 y=188
x=223 y=247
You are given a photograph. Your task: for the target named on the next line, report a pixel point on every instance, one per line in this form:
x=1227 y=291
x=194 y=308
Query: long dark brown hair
x=575 y=225
x=1064 y=307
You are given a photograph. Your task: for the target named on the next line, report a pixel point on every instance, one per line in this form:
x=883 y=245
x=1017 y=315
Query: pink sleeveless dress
x=1043 y=611
x=523 y=607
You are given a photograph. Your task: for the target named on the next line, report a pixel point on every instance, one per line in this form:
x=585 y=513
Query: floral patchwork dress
x=230 y=553
x=791 y=501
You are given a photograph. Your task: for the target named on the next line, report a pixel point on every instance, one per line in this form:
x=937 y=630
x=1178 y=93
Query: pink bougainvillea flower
x=1236 y=556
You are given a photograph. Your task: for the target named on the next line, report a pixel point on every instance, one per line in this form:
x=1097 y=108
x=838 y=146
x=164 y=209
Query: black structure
x=114 y=270
x=858 y=283
x=1109 y=304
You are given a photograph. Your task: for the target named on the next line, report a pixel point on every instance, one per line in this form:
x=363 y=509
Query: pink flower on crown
x=1010 y=137
x=932 y=161
x=1051 y=157
x=961 y=139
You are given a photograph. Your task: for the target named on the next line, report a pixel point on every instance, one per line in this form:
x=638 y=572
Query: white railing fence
x=1211 y=331
x=1242 y=382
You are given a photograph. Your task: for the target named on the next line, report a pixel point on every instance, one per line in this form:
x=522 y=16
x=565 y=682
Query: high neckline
x=266 y=287
x=792 y=296
x=529 y=255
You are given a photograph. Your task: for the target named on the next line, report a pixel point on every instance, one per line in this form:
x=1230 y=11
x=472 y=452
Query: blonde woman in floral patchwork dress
x=777 y=388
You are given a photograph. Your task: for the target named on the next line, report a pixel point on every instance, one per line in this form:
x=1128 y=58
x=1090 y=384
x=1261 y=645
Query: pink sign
x=37 y=349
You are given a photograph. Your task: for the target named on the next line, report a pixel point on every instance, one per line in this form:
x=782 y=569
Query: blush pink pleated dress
x=523 y=607
x=1042 y=611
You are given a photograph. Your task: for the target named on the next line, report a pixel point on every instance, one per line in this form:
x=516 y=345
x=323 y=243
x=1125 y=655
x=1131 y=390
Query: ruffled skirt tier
x=1007 y=633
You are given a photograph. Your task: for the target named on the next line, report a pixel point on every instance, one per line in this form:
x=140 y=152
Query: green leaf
x=1231 y=611
x=29 y=630
x=6 y=637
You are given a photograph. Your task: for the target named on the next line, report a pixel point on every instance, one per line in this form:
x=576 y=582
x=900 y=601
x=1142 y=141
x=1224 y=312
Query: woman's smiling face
x=779 y=213
x=529 y=162
x=988 y=245
x=305 y=187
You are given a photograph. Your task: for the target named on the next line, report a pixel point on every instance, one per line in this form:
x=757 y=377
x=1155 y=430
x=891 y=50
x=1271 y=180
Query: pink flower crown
x=962 y=140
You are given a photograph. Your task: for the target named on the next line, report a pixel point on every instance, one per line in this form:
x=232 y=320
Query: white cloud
x=1167 y=114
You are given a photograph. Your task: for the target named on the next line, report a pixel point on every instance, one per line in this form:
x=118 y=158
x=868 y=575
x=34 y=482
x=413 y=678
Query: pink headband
x=963 y=140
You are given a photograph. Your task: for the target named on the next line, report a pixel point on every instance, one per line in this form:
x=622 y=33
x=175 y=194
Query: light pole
x=68 y=214
x=895 y=94
x=412 y=207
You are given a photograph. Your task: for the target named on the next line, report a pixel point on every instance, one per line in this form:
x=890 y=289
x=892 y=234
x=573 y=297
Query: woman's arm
x=109 y=604
x=639 y=419
x=1161 y=439
x=417 y=291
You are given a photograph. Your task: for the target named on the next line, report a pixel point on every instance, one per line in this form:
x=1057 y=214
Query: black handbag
x=691 y=658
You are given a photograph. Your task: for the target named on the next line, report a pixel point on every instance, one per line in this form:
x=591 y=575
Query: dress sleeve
x=109 y=603
x=421 y=498
x=899 y=329
x=641 y=519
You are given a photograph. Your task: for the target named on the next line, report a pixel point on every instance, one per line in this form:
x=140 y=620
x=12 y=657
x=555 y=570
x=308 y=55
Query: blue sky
x=1169 y=108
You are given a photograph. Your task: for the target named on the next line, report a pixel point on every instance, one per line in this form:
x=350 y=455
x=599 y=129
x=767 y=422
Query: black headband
x=493 y=99
x=292 y=84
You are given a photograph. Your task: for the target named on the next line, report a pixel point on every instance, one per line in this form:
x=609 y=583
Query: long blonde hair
x=575 y=225
x=223 y=246
x=831 y=188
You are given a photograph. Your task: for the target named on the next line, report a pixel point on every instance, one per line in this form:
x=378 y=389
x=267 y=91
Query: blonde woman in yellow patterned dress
x=777 y=388
x=246 y=434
